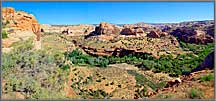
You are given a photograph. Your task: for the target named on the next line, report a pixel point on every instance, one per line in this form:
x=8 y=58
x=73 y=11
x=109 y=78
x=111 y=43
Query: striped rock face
x=18 y=20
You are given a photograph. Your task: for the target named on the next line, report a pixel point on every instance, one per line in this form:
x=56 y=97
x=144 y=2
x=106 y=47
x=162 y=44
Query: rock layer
x=190 y=35
x=17 y=20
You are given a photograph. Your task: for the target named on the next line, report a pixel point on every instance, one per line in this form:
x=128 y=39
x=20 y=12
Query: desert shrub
x=36 y=74
x=65 y=67
x=208 y=77
x=99 y=94
x=22 y=46
x=15 y=22
x=142 y=80
x=142 y=93
x=7 y=22
x=4 y=34
x=147 y=65
x=4 y=24
x=102 y=62
x=8 y=61
x=164 y=96
x=195 y=94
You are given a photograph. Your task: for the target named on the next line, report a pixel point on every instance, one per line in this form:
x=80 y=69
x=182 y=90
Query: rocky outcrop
x=106 y=29
x=153 y=34
x=132 y=31
x=17 y=20
x=191 y=35
x=8 y=13
x=128 y=31
x=139 y=31
x=20 y=26
x=156 y=34
x=114 y=51
x=111 y=46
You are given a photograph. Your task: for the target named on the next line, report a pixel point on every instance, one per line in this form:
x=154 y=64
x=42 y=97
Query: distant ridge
x=201 y=21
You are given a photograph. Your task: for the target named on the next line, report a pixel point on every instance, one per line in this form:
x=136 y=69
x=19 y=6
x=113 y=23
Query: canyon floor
x=47 y=74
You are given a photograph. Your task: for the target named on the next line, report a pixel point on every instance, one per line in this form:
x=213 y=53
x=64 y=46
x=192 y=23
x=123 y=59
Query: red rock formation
x=128 y=31
x=139 y=31
x=190 y=35
x=106 y=29
x=8 y=13
x=154 y=34
x=18 y=20
x=132 y=31
x=22 y=24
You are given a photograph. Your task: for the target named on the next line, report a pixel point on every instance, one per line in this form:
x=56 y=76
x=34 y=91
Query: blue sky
x=115 y=12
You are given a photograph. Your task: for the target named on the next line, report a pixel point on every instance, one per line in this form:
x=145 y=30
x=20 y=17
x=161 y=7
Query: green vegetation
x=168 y=64
x=42 y=74
x=164 y=96
x=4 y=34
x=144 y=83
x=35 y=74
x=99 y=94
x=195 y=94
x=142 y=80
x=197 y=48
x=65 y=67
x=208 y=77
x=80 y=81
x=142 y=93
x=78 y=58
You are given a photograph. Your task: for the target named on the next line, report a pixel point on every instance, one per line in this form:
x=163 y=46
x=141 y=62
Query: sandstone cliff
x=17 y=20
x=19 y=26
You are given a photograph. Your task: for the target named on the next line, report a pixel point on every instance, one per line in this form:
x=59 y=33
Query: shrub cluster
x=168 y=64
x=208 y=77
x=35 y=74
x=77 y=58
x=4 y=34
